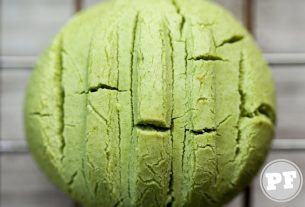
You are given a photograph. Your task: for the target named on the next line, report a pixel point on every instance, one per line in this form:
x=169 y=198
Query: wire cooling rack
x=8 y=146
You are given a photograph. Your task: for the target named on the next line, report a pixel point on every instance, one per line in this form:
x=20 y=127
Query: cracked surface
x=169 y=105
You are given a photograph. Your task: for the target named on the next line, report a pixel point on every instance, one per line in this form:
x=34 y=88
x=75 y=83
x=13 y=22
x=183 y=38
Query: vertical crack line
x=119 y=147
x=216 y=165
x=183 y=20
x=186 y=84
x=181 y=28
x=242 y=102
x=132 y=65
x=119 y=119
x=171 y=176
x=134 y=31
x=117 y=57
x=183 y=150
x=108 y=144
x=62 y=103
x=71 y=181
x=86 y=103
x=99 y=115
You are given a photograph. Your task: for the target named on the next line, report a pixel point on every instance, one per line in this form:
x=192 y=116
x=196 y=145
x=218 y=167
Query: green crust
x=151 y=103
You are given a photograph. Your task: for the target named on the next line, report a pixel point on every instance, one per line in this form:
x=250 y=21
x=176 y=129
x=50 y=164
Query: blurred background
x=28 y=26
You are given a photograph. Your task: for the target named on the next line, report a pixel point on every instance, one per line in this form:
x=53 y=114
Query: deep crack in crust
x=210 y=112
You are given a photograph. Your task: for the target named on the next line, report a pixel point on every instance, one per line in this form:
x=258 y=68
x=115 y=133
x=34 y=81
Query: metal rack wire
x=9 y=146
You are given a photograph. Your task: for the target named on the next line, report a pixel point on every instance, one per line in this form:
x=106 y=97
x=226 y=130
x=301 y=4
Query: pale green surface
x=149 y=103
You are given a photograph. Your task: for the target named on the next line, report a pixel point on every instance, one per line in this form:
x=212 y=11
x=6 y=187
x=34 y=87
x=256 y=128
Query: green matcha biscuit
x=151 y=103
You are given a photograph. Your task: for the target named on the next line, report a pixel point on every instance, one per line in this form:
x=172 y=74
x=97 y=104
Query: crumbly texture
x=151 y=103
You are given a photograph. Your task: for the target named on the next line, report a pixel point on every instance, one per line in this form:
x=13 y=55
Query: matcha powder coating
x=151 y=103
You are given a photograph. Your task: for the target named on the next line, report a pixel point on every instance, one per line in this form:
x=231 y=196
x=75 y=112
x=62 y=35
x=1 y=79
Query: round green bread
x=151 y=103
